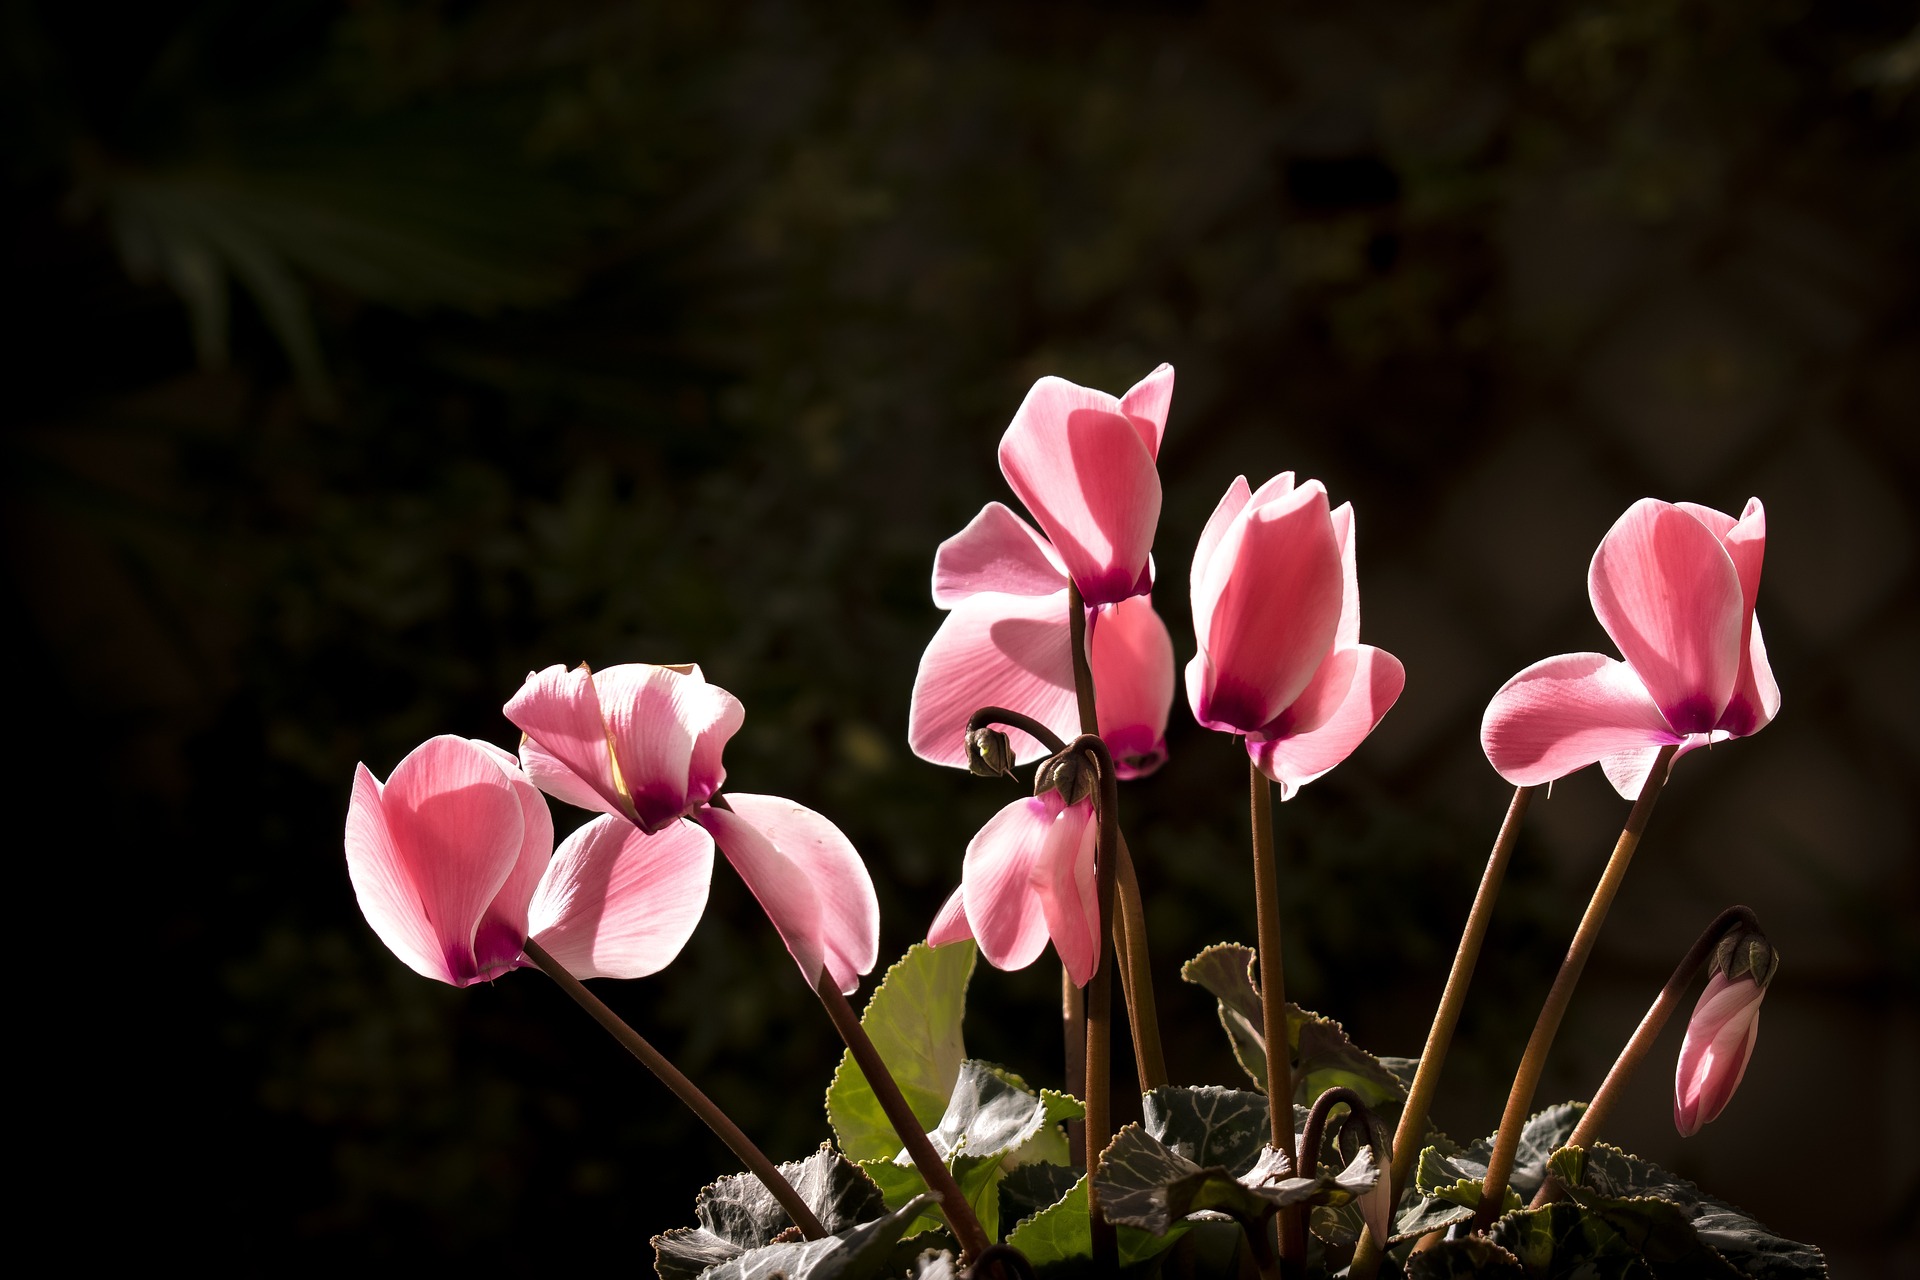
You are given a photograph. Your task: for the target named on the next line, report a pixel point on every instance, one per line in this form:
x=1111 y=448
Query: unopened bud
x=1746 y=953
x=1070 y=773
x=989 y=754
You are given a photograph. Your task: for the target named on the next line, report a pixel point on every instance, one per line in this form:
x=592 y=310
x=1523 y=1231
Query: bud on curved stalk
x=989 y=753
x=1376 y=1204
x=1070 y=773
x=1722 y=1031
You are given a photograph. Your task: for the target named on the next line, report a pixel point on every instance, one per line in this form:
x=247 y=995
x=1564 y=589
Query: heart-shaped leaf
x=913 y=1018
x=855 y=1254
x=736 y=1213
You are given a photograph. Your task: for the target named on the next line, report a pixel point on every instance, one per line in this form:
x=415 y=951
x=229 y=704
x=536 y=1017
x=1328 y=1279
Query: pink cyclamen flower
x=643 y=743
x=1713 y=1058
x=1028 y=880
x=1674 y=586
x=1276 y=609
x=453 y=862
x=1083 y=462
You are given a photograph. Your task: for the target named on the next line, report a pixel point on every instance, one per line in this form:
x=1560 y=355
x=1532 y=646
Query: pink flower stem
x=1408 y=1135
x=1129 y=924
x=1645 y=1034
x=1100 y=1001
x=1533 y=1062
x=685 y=1090
x=933 y=1170
x=1292 y=1223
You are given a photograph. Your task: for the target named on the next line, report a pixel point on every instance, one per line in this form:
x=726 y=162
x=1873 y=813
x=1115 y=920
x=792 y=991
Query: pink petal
x=553 y=776
x=559 y=711
x=1131 y=657
x=1083 y=470
x=616 y=902
x=951 y=924
x=1063 y=881
x=1231 y=504
x=848 y=916
x=1347 y=634
x=1146 y=405
x=781 y=886
x=1564 y=713
x=668 y=730
x=1669 y=596
x=1756 y=696
x=1268 y=610
x=994 y=650
x=1006 y=915
x=454 y=831
x=1374 y=679
x=997 y=551
x=504 y=926
x=1719 y=1044
x=384 y=885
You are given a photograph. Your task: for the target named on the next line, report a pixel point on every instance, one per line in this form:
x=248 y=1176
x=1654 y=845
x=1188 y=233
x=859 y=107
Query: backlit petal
x=994 y=650
x=1374 y=681
x=849 y=913
x=1063 y=880
x=1002 y=908
x=560 y=711
x=1131 y=657
x=781 y=885
x=553 y=776
x=1566 y=712
x=1719 y=1044
x=1668 y=594
x=1146 y=405
x=997 y=551
x=616 y=902
x=1088 y=478
x=1231 y=504
x=384 y=885
x=951 y=925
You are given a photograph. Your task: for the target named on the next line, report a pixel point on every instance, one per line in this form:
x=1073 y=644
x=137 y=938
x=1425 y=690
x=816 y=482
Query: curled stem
x=1307 y=1160
x=933 y=1170
x=986 y=717
x=684 y=1089
x=1645 y=1034
x=1273 y=1006
x=1534 y=1060
x=1426 y=1078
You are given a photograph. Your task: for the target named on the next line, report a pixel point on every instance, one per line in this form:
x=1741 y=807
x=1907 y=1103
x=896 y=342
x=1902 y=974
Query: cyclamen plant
x=1052 y=654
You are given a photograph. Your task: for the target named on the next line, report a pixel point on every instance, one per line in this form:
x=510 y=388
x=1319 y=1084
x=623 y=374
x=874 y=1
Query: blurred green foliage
x=371 y=355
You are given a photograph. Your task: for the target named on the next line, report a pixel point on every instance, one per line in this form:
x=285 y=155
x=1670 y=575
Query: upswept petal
x=1269 y=608
x=997 y=551
x=1063 y=882
x=1087 y=476
x=668 y=728
x=782 y=886
x=1667 y=593
x=616 y=902
x=1347 y=634
x=504 y=925
x=713 y=716
x=1564 y=713
x=457 y=823
x=849 y=912
x=559 y=711
x=1374 y=681
x=1232 y=503
x=1001 y=907
x=994 y=650
x=1756 y=697
x=1719 y=1044
x=555 y=777
x=1131 y=656
x=951 y=925
x=1146 y=405
x=383 y=884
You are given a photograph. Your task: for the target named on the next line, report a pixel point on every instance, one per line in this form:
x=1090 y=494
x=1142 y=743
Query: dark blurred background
x=368 y=355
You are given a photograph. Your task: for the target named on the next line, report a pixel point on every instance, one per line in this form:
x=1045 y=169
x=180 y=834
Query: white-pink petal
x=1668 y=594
x=384 y=885
x=616 y=902
x=1063 y=880
x=1088 y=477
x=846 y=918
x=1719 y=1044
x=1146 y=405
x=994 y=650
x=1004 y=912
x=1374 y=679
x=560 y=711
x=950 y=924
x=1566 y=712
x=997 y=551
x=1130 y=654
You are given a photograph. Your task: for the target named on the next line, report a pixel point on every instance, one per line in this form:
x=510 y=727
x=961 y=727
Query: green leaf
x=736 y=1213
x=1606 y=1178
x=1030 y=1188
x=855 y=1254
x=1472 y=1257
x=1321 y=1055
x=913 y=1018
x=1567 y=1240
x=1144 y=1183
x=1210 y=1125
x=1448 y=1180
x=1060 y=1235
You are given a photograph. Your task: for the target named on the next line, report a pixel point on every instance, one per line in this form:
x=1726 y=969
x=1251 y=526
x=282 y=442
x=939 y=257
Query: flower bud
x=1070 y=773
x=989 y=754
x=1745 y=952
x=1720 y=1039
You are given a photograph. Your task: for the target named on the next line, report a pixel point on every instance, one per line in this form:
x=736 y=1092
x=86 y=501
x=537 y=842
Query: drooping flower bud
x=1070 y=773
x=1722 y=1031
x=989 y=753
x=1746 y=953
